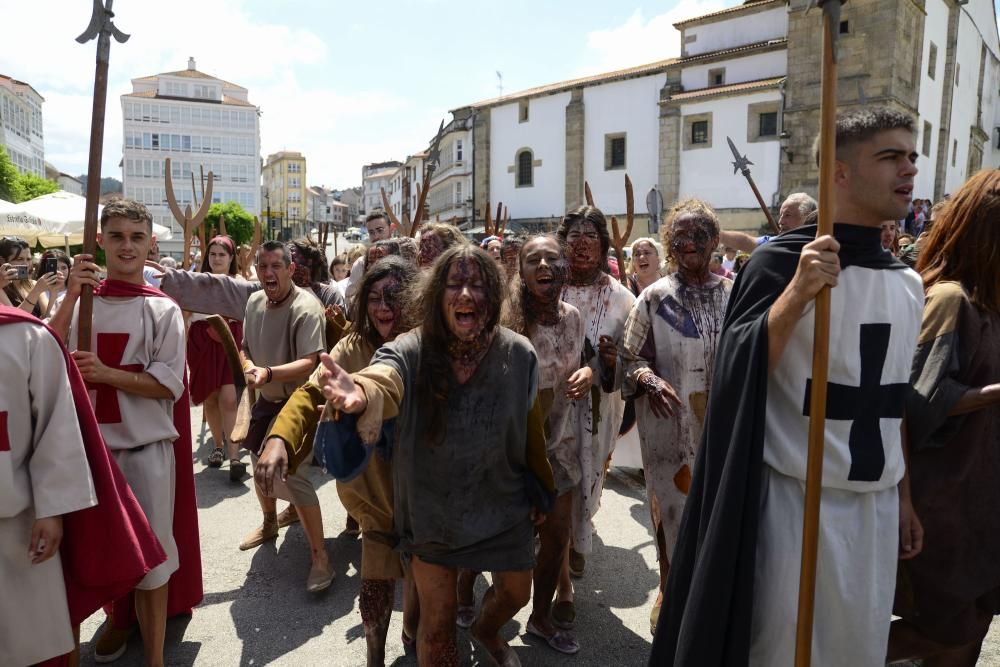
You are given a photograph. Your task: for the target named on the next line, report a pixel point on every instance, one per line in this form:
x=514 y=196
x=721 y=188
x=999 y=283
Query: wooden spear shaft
x=102 y=28
x=821 y=353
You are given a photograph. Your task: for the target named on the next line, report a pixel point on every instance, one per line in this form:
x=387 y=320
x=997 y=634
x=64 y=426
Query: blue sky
x=345 y=83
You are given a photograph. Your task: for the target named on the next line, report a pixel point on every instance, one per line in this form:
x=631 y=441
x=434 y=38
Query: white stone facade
x=200 y=122
x=21 y=130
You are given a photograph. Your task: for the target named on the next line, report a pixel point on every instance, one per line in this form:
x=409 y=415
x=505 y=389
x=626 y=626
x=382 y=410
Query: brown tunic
x=954 y=471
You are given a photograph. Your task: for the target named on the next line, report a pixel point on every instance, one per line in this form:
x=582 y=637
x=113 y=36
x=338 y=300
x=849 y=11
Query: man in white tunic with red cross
x=135 y=374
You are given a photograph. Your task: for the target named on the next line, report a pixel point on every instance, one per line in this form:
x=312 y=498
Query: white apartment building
x=450 y=195
x=199 y=121
x=21 y=131
x=373 y=182
x=404 y=186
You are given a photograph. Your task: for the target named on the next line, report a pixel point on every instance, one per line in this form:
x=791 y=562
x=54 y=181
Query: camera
x=22 y=272
x=50 y=265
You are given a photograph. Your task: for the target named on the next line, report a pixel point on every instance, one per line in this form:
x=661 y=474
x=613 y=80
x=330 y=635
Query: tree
x=32 y=186
x=8 y=177
x=239 y=223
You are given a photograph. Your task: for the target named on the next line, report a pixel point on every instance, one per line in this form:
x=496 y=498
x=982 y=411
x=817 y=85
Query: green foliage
x=108 y=184
x=8 y=177
x=239 y=223
x=17 y=187
x=32 y=186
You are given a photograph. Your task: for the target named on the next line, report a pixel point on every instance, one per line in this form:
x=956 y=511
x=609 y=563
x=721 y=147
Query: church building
x=750 y=73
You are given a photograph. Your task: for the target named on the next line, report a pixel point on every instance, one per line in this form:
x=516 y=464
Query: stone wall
x=481 y=163
x=574 y=195
x=879 y=59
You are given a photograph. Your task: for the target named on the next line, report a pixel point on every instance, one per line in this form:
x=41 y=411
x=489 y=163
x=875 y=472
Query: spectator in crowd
x=20 y=291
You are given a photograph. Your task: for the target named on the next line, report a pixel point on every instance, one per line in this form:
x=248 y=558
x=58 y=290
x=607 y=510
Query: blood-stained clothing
x=559 y=347
x=673 y=331
x=43 y=473
x=604 y=306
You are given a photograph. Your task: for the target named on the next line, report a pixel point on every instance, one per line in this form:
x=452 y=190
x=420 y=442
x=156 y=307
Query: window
x=458 y=193
x=525 y=167
x=717 y=77
x=614 y=151
x=768 y=124
x=954 y=151
x=458 y=150
x=845 y=27
x=522 y=111
x=932 y=62
x=699 y=132
x=926 y=148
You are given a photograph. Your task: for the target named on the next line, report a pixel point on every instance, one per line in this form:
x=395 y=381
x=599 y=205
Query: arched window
x=525 y=168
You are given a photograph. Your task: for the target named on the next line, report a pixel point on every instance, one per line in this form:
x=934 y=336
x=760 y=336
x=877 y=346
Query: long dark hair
x=964 y=245
x=516 y=316
x=227 y=244
x=594 y=216
x=387 y=267
x=59 y=255
x=426 y=305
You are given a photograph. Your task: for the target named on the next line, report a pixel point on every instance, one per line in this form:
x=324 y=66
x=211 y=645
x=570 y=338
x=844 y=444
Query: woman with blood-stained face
x=211 y=378
x=368 y=496
x=603 y=304
x=555 y=328
x=470 y=472
x=669 y=356
x=435 y=238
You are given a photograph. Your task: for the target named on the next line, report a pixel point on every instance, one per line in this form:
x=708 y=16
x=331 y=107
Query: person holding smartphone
x=15 y=277
x=56 y=264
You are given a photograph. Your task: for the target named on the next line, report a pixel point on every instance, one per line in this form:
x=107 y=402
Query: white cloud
x=271 y=60
x=640 y=40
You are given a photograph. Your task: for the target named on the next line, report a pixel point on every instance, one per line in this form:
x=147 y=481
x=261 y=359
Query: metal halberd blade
x=741 y=163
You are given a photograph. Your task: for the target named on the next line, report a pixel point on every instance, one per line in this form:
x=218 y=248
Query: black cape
x=708 y=602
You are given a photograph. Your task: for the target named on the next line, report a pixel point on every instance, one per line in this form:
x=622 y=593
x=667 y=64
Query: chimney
x=191 y=64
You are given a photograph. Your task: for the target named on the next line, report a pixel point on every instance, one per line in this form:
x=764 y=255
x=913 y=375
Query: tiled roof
x=573 y=83
x=385 y=173
x=152 y=94
x=745 y=87
x=731 y=10
x=188 y=74
x=771 y=43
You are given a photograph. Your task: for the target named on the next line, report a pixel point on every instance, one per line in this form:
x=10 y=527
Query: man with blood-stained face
x=604 y=305
x=509 y=251
x=434 y=239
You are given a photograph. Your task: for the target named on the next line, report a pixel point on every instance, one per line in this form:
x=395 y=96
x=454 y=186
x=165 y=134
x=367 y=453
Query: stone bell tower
x=880 y=48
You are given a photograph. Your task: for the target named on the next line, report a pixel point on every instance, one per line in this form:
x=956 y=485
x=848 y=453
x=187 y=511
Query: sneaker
x=110 y=644
x=266 y=531
x=577 y=563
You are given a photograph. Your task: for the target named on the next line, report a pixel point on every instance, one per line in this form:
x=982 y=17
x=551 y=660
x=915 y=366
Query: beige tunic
x=603 y=306
x=559 y=348
x=673 y=330
x=43 y=473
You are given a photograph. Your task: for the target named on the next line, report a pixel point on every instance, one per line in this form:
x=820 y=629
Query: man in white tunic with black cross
x=733 y=586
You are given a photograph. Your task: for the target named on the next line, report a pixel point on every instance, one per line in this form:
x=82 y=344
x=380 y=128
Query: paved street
x=256 y=610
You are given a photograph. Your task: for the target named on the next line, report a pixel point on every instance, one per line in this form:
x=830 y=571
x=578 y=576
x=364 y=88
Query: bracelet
x=270 y=374
x=33 y=303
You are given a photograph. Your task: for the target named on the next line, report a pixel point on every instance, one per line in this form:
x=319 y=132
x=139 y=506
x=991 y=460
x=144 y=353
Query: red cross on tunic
x=4 y=437
x=111 y=351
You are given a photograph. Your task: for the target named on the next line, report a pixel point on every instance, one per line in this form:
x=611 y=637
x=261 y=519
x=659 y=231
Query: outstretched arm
x=208 y=293
x=739 y=240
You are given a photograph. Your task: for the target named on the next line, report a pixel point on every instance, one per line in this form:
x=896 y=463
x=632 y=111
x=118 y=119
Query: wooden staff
x=821 y=343
x=587 y=194
x=188 y=222
x=488 y=223
x=388 y=209
x=103 y=28
x=619 y=239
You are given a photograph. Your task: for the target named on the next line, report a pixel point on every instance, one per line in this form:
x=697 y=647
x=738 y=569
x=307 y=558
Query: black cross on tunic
x=866 y=405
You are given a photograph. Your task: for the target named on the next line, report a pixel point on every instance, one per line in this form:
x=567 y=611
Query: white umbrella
x=66 y=211
x=16 y=222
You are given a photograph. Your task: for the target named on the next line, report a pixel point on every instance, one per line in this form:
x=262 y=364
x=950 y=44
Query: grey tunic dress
x=463 y=502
